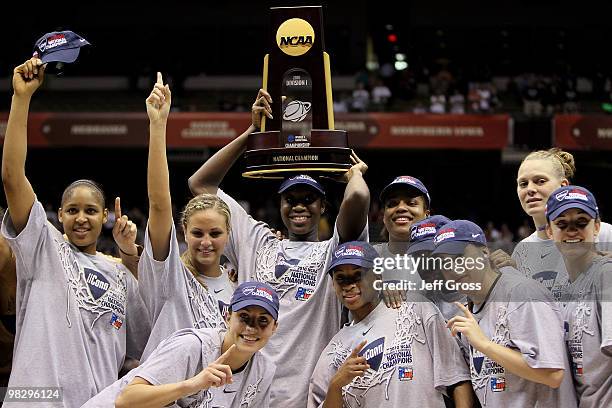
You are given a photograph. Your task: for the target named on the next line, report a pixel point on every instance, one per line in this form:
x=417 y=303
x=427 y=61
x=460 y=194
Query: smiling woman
x=573 y=224
x=212 y=367
x=294 y=267
x=191 y=290
x=541 y=173
x=67 y=292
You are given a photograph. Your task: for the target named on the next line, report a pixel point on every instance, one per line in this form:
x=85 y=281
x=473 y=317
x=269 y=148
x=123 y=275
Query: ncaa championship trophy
x=301 y=137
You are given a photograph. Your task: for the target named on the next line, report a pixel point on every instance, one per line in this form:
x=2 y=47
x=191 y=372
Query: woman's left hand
x=124 y=231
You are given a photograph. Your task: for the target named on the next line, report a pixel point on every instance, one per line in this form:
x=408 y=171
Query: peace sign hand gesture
x=159 y=101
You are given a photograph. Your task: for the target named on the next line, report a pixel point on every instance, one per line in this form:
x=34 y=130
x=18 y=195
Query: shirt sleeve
x=177 y=358
x=536 y=330
x=604 y=282
x=30 y=245
x=320 y=379
x=157 y=280
x=246 y=234
x=448 y=360
x=138 y=323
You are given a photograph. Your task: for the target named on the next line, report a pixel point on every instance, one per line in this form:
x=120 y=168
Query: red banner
x=583 y=132
x=374 y=130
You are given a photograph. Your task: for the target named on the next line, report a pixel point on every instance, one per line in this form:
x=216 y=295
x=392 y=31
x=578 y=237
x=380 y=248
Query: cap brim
x=426 y=245
x=282 y=189
x=589 y=210
x=387 y=190
x=452 y=247
x=350 y=261
x=243 y=304
x=67 y=55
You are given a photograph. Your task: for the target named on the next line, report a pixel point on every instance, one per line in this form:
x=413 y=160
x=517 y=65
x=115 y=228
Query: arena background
x=538 y=61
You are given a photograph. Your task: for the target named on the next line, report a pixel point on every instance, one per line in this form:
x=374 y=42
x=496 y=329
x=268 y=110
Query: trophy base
x=326 y=153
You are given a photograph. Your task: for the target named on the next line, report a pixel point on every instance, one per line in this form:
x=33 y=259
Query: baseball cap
x=454 y=236
x=422 y=233
x=567 y=197
x=255 y=294
x=406 y=182
x=303 y=179
x=353 y=253
x=59 y=47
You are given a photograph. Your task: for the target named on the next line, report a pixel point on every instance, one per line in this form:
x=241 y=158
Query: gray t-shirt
x=410 y=352
x=588 y=325
x=174 y=298
x=78 y=315
x=521 y=315
x=309 y=314
x=540 y=259
x=221 y=288
x=185 y=354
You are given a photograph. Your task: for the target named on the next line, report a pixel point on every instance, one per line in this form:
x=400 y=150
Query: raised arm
x=209 y=176
x=27 y=77
x=158 y=184
x=353 y=214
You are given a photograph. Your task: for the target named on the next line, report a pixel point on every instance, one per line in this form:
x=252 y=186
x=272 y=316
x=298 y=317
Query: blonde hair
x=563 y=162
x=202 y=202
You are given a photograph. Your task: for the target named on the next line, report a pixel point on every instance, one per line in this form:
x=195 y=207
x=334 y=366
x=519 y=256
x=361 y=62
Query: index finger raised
x=464 y=309
x=357 y=349
x=117 y=208
x=159 y=78
x=223 y=358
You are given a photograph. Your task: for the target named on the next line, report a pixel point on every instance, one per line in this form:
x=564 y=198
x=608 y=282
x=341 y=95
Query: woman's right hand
x=28 y=77
x=354 y=366
x=159 y=101
x=217 y=374
x=260 y=107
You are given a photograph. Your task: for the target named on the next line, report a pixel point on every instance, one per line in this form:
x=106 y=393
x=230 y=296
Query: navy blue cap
x=303 y=179
x=59 y=46
x=567 y=197
x=358 y=253
x=255 y=294
x=422 y=233
x=406 y=182
x=453 y=237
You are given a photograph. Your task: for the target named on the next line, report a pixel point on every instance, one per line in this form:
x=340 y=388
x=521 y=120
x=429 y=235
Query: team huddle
x=301 y=322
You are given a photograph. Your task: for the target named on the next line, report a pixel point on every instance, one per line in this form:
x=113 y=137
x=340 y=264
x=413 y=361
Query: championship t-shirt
x=410 y=352
x=521 y=315
x=588 y=331
x=78 y=315
x=309 y=314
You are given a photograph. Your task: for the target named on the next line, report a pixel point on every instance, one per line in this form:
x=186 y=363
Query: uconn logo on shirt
x=373 y=353
x=97 y=283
